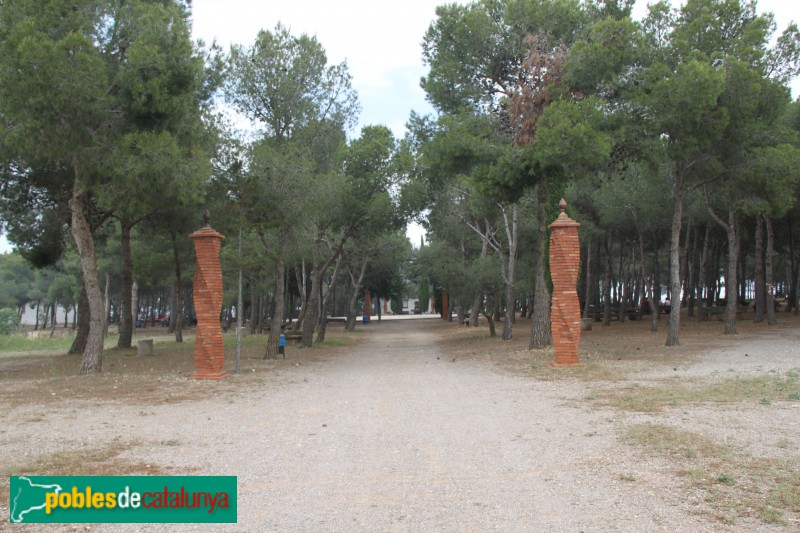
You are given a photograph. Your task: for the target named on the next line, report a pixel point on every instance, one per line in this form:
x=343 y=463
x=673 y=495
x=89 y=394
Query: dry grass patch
x=161 y=378
x=674 y=392
x=102 y=461
x=611 y=353
x=666 y=440
x=733 y=485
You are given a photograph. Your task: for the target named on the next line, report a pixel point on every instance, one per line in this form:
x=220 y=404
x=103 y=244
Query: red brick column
x=445 y=305
x=367 y=304
x=209 y=353
x=565 y=317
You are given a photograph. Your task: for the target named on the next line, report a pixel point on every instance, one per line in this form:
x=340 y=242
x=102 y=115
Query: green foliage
x=598 y=61
x=372 y=167
x=684 y=106
x=514 y=170
x=387 y=267
x=9 y=321
x=462 y=144
x=784 y=58
x=16 y=279
x=76 y=80
x=35 y=223
x=773 y=174
x=570 y=137
x=721 y=28
x=474 y=51
x=633 y=199
x=293 y=190
x=283 y=82
x=424 y=295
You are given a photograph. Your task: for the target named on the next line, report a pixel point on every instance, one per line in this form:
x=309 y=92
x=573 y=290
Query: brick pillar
x=367 y=304
x=209 y=353
x=445 y=305
x=565 y=317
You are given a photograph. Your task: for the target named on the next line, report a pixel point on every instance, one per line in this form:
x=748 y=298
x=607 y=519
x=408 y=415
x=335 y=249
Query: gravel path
x=394 y=436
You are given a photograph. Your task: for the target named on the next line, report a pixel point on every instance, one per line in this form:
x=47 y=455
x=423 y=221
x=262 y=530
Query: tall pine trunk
x=704 y=289
x=254 y=306
x=239 y=306
x=326 y=300
x=541 y=335
x=694 y=274
x=107 y=303
x=82 y=325
x=489 y=311
x=589 y=281
x=731 y=283
x=300 y=278
x=674 y=326
x=607 y=283
x=476 y=304
x=53 y=318
x=277 y=317
x=82 y=233
x=768 y=274
x=511 y=271
x=351 y=306
x=309 y=316
x=126 y=324
x=687 y=248
x=649 y=293
x=760 y=288
x=177 y=309
x=791 y=300
x=313 y=305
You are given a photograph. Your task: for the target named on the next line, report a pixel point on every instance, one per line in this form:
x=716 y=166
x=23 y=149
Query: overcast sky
x=379 y=39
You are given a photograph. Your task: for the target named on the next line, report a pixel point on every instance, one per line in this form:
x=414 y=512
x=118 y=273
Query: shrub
x=9 y=321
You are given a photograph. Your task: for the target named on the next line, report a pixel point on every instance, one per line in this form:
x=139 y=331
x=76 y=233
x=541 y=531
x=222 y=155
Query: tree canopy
x=673 y=138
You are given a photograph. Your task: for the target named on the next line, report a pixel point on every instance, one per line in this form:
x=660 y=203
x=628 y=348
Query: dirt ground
x=423 y=425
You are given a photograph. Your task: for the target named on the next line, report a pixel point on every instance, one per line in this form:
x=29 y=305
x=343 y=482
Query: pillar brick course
x=367 y=303
x=565 y=315
x=209 y=353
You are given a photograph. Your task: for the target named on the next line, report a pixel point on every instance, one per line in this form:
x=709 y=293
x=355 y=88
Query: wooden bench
x=598 y=314
x=720 y=310
x=293 y=337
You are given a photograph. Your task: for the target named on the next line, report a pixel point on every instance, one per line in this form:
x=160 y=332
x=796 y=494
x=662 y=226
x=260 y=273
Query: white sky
x=379 y=39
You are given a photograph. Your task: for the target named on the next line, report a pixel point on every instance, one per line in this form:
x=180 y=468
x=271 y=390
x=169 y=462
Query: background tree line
x=674 y=139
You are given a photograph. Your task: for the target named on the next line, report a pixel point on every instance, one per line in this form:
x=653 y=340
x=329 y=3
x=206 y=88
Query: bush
x=9 y=321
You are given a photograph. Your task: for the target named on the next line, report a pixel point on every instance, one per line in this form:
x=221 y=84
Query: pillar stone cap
x=206 y=232
x=563 y=221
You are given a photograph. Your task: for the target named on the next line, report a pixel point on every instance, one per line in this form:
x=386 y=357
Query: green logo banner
x=122 y=499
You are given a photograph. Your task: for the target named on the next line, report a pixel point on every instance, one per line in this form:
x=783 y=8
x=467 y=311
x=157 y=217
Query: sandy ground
x=394 y=435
